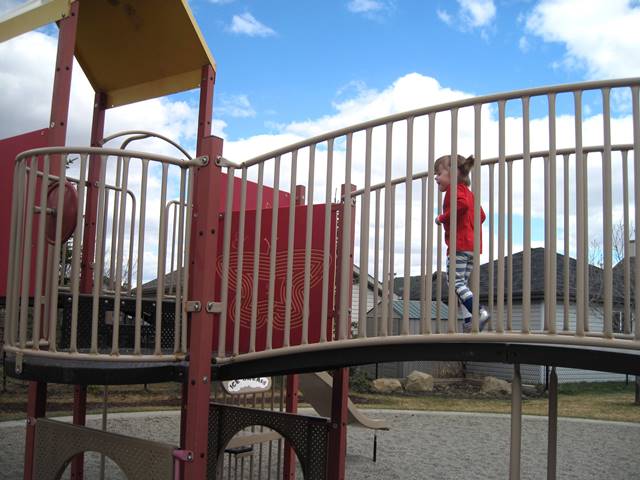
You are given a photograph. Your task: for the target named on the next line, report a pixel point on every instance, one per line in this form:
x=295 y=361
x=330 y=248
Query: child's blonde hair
x=464 y=167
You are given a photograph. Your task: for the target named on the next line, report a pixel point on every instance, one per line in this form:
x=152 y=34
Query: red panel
x=252 y=195
x=9 y=149
x=315 y=302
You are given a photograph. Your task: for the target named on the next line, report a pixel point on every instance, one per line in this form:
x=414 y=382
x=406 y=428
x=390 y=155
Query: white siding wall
x=355 y=302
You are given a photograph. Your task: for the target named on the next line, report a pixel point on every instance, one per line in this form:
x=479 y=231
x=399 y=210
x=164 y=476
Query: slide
x=316 y=389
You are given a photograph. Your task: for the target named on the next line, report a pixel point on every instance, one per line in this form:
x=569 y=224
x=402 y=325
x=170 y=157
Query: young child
x=464 y=232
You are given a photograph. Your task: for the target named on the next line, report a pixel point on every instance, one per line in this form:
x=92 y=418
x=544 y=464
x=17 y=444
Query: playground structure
x=253 y=260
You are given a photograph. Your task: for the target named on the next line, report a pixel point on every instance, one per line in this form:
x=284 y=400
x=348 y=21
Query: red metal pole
x=293 y=382
x=37 y=397
x=340 y=391
x=203 y=254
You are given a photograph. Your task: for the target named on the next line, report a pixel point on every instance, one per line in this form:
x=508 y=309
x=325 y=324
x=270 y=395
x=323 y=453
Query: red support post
x=340 y=390
x=79 y=418
x=37 y=397
x=202 y=261
x=293 y=383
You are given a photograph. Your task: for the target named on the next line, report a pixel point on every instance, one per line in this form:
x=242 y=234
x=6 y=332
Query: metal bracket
x=192 y=306
x=183 y=455
x=214 y=307
x=203 y=159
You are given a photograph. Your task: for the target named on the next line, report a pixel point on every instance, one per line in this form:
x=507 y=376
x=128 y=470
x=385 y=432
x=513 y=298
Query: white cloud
x=246 y=24
x=362 y=6
x=237 y=106
x=523 y=44
x=601 y=37
x=477 y=13
x=472 y=14
x=444 y=16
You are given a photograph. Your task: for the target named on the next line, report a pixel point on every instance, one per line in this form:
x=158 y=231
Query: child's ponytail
x=465 y=165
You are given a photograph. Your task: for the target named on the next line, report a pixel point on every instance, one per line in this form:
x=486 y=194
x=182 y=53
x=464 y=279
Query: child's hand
x=438 y=222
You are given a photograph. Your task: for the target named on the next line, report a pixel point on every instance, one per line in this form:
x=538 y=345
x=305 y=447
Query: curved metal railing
x=392 y=233
x=72 y=291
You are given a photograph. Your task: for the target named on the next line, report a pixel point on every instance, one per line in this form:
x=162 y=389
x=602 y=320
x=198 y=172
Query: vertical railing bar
x=626 y=322
x=553 y=269
x=105 y=284
x=376 y=263
x=501 y=215
x=28 y=240
x=290 y=244
x=177 y=274
x=14 y=246
x=510 y=246
x=256 y=260
x=428 y=291
x=608 y=209
x=38 y=299
x=115 y=347
x=346 y=260
x=307 y=245
x=566 y=238
x=162 y=247
x=477 y=222
x=585 y=237
x=226 y=249
x=392 y=276
x=273 y=247
x=237 y=319
x=580 y=217
x=326 y=244
x=174 y=224
x=547 y=234
x=114 y=227
x=423 y=249
x=185 y=270
x=98 y=261
x=140 y=267
x=386 y=244
x=439 y=273
x=453 y=224
x=407 y=228
x=75 y=257
x=635 y=100
x=364 y=239
x=132 y=228
x=526 y=257
x=490 y=287
x=56 y=253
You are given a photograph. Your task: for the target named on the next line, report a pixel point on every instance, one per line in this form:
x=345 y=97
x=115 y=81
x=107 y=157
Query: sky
x=291 y=69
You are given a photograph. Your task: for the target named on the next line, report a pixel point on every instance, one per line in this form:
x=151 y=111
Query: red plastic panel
x=246 y=287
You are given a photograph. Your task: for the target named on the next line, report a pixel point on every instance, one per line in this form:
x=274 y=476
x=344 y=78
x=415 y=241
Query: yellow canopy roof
x=132 y=50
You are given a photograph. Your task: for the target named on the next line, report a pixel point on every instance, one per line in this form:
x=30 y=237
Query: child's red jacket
x=464 y=237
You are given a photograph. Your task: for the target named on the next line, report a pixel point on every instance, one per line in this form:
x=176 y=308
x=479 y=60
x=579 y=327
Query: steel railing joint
x=225 y=162
x=193 y=306
x=214 y=307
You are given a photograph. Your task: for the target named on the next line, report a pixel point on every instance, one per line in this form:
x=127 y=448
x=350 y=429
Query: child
x=464 y=232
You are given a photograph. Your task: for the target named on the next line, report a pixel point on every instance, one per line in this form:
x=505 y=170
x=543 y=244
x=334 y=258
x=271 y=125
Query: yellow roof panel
x=132 y=50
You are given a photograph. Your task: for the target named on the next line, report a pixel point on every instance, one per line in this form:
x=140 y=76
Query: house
x=402 y=369
x=535 y=374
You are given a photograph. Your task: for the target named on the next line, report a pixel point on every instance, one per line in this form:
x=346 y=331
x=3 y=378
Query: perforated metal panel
x=307 y=435
x=57 y=443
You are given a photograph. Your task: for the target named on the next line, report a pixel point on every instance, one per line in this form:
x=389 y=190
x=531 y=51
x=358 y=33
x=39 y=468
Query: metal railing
x=79 y=261
x=393 y=234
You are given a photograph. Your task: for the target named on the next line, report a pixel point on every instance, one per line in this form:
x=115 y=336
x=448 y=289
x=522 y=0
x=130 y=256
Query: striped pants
x=464 y=266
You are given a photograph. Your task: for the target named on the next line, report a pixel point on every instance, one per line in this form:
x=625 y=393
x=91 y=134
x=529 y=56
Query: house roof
x=537 y=279
x=415 y=310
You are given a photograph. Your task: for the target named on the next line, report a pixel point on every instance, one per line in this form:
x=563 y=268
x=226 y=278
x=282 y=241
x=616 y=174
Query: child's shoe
x=485 y=316
x=466 y=326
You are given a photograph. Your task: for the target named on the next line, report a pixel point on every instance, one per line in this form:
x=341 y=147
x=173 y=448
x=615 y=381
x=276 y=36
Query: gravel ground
x=420 y=445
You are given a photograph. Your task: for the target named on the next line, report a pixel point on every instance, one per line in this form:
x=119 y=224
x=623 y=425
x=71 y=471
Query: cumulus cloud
x=247 y=24
x=237 y=106
x=601 y=37
x=362 y=6
x=471 y=14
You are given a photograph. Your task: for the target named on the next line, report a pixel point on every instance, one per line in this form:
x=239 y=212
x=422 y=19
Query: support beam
x=202 y=287
x=36 y=408
x=516 y=424
x=552 y=447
